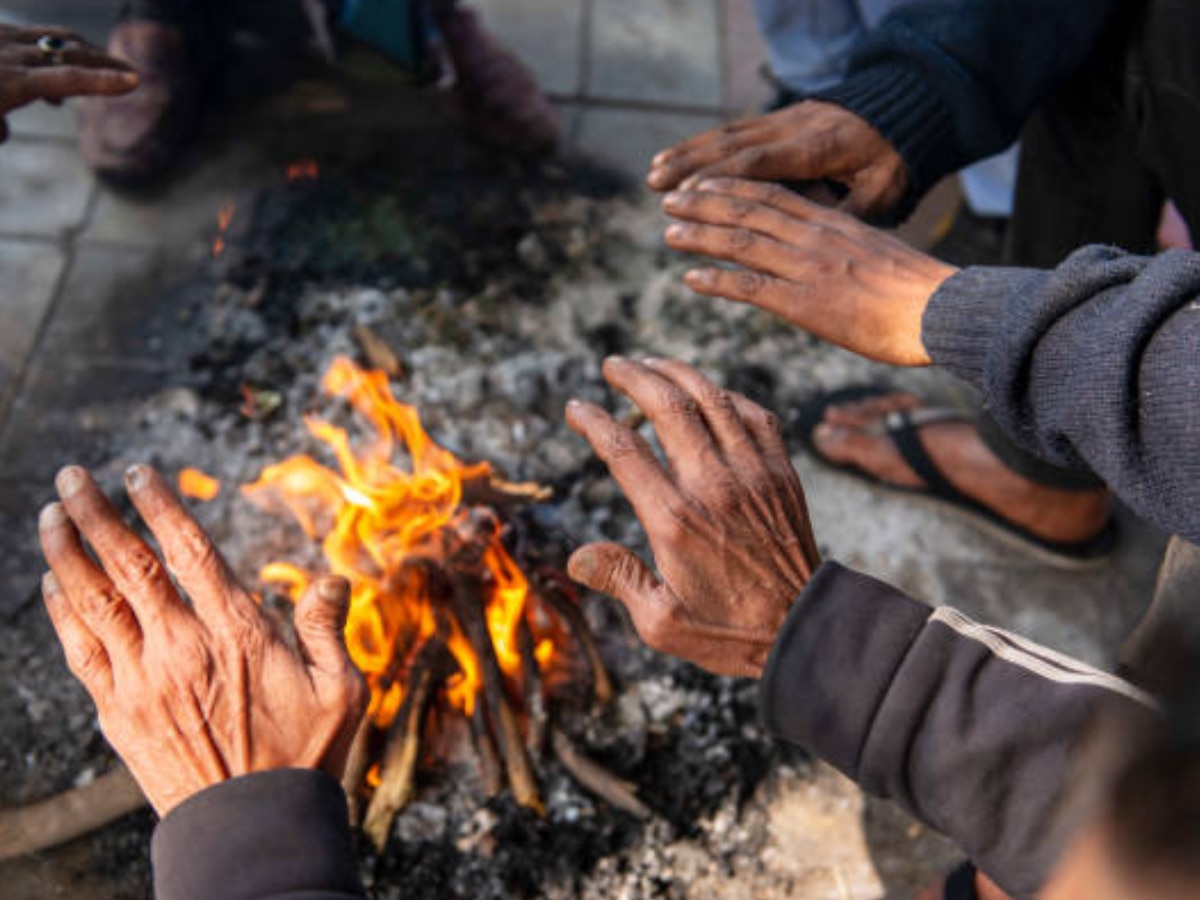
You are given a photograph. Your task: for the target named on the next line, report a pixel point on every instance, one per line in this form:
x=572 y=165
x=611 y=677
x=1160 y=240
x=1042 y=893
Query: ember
x=439 y=606
x=198 y=485
x=224 y=219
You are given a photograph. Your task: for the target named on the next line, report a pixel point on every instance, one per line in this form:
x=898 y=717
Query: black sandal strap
x=903 y=431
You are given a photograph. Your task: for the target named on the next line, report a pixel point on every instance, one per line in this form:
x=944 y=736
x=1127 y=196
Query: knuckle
x=142 y=566
x=716 y=398
x=740 y=209
x=753 y=160
x=681 y=406
x=86 y=662
x=749 y=284
x=622 y=444
x=194 y=550
x=739 y=239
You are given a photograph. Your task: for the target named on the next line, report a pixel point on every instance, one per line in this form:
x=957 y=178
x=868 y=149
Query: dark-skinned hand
x=822 y=270
x=191 y=695
x=78 y=69
x=811 y=141
x=725 y=516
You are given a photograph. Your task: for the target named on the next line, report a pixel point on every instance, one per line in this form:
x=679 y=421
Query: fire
x=224 y=219
x=198 y=485
x=377 y=519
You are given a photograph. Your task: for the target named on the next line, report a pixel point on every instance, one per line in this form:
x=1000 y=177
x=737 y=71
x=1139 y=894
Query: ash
x=500 y=298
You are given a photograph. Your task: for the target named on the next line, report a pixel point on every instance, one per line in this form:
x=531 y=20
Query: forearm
x=1093 y=364
x=277 y=834
x=949 y=82
x=971 y=729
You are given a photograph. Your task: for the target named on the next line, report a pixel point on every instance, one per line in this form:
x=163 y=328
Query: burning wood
x=441 y=614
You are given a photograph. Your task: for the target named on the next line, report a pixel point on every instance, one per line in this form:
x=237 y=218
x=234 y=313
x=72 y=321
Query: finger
x=613 y=570
x=797 y=301
x=764 y=427
x=795 y=258
x=90 y=57
x=61 y=82
x=34 y=33
x=684 y=435
x=628 y=457
x=320 y=622
x=768 y=214
x=672 y=166
x=85 y=655
x=778 y=197
x=132 y=566
x=715 y=403
x=189 y=552
x=92 y=595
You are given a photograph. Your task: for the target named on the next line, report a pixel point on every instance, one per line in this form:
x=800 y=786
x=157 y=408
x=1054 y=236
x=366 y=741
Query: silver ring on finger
x=51 y=47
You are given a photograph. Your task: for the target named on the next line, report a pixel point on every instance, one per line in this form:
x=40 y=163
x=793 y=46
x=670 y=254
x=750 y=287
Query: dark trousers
x=1100 y=157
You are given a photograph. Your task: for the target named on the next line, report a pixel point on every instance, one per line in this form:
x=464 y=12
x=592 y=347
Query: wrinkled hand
x=726 y=518
x=822 y=270
x=190 y=696
x=811 y=141
x=79 y=68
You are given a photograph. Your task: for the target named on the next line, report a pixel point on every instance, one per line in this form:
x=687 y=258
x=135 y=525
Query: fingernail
x=673 y=198
x=581 y=566
x=652 y=362
x=52 y=516
x=697 y=276
x=574 y=405
x=70 y=481
x=708 y=184
x=675 y=232
x=137 y=477
x=332 y=589
x=617 y=361
x=50 y=585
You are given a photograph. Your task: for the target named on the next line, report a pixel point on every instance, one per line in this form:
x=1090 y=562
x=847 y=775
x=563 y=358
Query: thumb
x=611 y=569
x=320 y=623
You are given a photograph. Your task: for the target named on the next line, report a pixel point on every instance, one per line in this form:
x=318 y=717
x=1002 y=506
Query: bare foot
x=849 y=436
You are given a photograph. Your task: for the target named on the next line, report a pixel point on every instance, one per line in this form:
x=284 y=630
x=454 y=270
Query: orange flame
x=374 y=519
x=198 y=485
x=224 y=219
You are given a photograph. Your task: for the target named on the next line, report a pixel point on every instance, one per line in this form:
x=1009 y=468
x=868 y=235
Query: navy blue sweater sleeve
x=949 y=82
x=1093 y=365
x=279 y=835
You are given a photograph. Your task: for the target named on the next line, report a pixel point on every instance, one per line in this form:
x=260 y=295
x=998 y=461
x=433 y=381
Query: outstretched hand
x=190 y=696
x=822 y=270
x=725 y=516
x=69 y=66
x=811 y=141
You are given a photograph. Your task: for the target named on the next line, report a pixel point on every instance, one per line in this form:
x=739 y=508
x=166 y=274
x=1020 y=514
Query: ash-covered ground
x=501 y=289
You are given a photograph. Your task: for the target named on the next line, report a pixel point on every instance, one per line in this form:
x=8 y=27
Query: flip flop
x=902 y=428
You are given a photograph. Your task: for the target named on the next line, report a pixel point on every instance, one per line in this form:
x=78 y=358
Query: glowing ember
x=303 y=170
x=198 y=485
x=224 y=219
x=374 y=519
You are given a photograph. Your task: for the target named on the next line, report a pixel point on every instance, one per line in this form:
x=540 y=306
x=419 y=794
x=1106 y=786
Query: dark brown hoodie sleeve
x=280 y=835
x=971 y=729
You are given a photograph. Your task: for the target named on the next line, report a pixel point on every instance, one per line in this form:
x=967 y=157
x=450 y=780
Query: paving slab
x=548 y=37
x=746 y=90
x=627 y=139
x=127 y=305
x=656 y=51
x=44 y=188
x=184 y=213
x=29 y=273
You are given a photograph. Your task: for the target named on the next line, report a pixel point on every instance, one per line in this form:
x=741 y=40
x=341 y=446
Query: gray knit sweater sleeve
x=1093 y=365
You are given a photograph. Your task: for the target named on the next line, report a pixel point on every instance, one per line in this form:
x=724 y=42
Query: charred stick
x=489 y=765
x=430 y=667
x=597 y=779
x=48 y=823
x=535 y=698
x=569 y=611
x=467 y=604
x=357 y=764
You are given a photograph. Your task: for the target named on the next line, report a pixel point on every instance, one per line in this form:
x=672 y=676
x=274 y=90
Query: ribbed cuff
x=897 y=102
x=283 y=833
x=834 y=660
x=959 y=325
